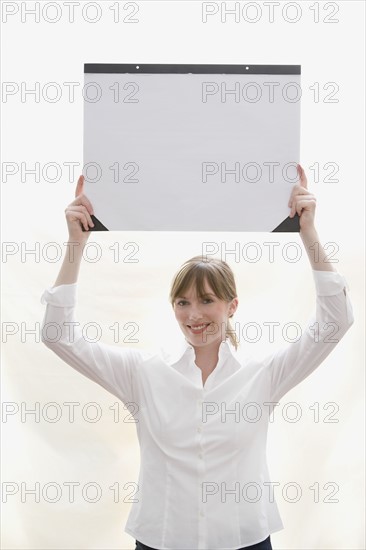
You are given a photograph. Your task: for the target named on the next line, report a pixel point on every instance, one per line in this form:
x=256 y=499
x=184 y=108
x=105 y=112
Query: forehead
x=191 y=292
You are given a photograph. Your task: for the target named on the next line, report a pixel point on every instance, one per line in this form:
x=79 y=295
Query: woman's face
x=203 y=320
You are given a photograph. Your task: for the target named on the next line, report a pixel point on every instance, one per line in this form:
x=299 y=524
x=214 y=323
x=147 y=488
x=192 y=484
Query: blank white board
x=191 y=147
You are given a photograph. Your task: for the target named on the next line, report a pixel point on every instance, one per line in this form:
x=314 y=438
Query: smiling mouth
x=198 y=328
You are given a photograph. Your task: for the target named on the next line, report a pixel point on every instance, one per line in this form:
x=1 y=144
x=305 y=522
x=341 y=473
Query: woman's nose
x=195 y=313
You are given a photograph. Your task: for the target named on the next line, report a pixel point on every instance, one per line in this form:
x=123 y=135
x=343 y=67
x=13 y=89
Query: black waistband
x=263 y=545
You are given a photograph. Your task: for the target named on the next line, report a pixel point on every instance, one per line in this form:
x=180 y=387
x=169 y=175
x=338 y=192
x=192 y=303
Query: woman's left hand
x=303 y=202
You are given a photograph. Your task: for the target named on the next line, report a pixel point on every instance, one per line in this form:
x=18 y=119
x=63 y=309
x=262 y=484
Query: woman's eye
x=184 y=302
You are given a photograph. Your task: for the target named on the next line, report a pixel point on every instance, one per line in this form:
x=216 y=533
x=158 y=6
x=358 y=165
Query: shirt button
x=199 y=429
x=200 y=455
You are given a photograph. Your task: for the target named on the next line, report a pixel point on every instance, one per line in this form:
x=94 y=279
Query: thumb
x=303 y=178
x=79 y=186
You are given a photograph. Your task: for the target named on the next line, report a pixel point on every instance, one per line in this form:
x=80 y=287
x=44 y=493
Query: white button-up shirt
x=204 y=481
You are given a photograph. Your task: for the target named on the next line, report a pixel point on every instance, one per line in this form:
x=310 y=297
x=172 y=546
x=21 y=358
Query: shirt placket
x=202 y=526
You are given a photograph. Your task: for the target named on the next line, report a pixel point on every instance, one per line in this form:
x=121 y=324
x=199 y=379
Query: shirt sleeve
x=333 y=317
x=110 y=366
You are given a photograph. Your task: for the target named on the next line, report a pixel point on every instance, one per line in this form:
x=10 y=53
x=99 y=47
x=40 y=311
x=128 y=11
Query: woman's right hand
x=78 y=214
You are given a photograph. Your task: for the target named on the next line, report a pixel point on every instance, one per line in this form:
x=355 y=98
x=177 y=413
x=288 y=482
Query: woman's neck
x=207 y=356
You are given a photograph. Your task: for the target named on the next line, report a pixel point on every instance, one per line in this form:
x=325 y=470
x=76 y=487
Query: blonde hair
x=219 y=276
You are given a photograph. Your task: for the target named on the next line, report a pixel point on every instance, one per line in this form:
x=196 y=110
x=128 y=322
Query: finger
x=297 y=190
x=301 y=199
x=79 y=186
x=84 y=210
x=72 y=216
x=303 y=183
x=303 y=178
x=80 y=191
x=305 y=205
x=78 y=215
x=300 y=204
x=83 y=200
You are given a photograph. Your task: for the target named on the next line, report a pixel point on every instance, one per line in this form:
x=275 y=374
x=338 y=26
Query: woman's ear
x=233 y=306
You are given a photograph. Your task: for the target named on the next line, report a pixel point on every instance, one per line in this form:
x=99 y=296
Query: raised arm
x=333 y=311
x=332 y=318
x=303 y=203
x=110 y=366
x=78 y=214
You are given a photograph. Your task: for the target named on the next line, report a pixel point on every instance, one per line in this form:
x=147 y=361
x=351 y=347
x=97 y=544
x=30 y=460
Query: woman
x=202 y=414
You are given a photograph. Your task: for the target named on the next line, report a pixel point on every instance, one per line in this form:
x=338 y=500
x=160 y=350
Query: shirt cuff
x=329 y=283
x=61 y=295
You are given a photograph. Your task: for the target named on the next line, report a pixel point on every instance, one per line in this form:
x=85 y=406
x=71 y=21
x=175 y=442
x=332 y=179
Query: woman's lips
x=198 y=329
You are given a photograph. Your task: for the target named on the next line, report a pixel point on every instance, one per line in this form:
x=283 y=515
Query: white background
x=106 y=452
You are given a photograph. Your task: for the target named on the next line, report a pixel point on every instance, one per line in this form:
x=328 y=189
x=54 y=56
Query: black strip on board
x=289 y=225
x=194 y=69
x=98 y=226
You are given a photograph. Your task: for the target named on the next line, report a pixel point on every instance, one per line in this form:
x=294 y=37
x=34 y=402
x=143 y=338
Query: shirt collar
x=173 y=353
